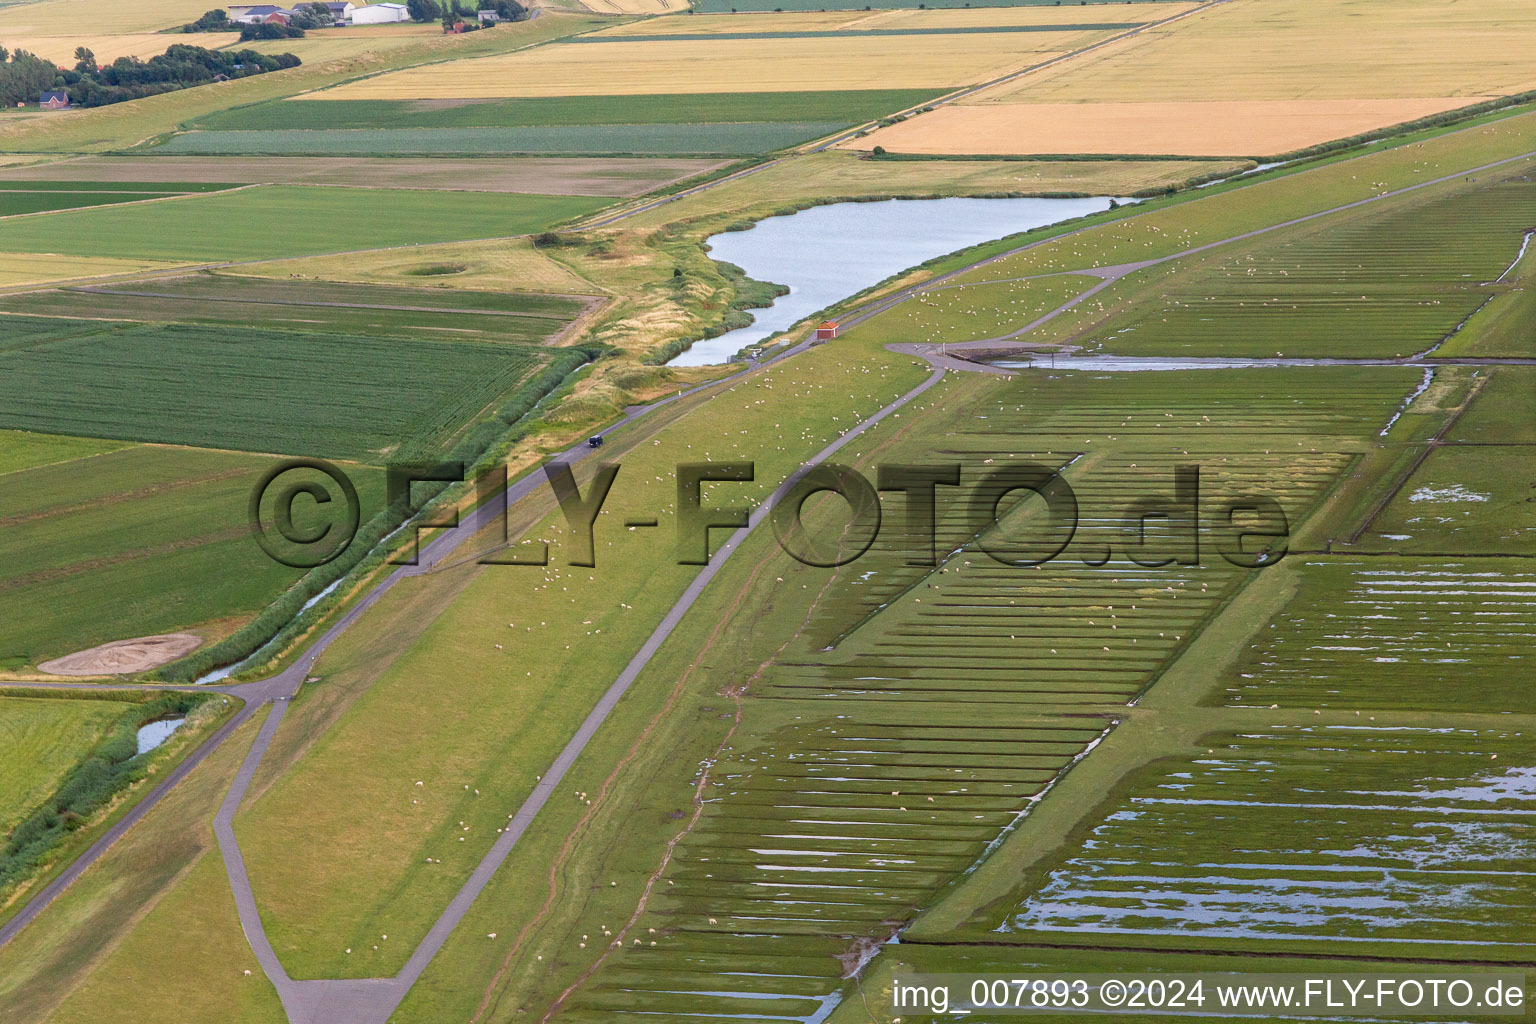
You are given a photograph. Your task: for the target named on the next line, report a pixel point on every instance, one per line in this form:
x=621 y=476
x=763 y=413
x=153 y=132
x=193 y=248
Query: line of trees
x=450 y=11
x=24 y=76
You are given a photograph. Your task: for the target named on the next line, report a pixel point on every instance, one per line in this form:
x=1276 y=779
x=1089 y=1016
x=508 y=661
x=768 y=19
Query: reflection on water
x=828 y=253
x=156 y=733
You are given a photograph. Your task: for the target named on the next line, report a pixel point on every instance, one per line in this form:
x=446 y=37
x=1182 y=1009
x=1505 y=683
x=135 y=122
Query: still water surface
x=828 y=253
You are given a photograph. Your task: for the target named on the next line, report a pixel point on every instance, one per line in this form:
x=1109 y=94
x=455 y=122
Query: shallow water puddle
x=154 y=734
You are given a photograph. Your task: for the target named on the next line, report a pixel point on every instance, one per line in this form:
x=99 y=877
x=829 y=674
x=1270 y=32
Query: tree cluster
x=270 y=30
x=216 y=20
x=25 y=76
x=451 y=11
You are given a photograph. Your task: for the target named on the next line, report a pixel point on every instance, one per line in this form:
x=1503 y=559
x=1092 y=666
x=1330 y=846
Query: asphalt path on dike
x=371 y=1001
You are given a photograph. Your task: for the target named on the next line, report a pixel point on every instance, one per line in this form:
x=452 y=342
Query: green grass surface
x=1349 y=287
x=1502 y=327
x=1224 y=211
x=978 y=311
x=17 y=201
x=157 y=901
x=436 y=314
x=274 y=221
x=1504 y=411
x=258 y=390
x=698 y=138
x=21 y=449
x=40 y=741
x=136 y=542
x=850 y=106
x=1463 y=500
x=1380 y=633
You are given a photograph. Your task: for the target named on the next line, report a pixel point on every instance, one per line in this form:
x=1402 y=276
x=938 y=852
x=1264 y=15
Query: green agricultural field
x=23 y=180
x=219 y=286
x=850 y=107
x=697 y=138
x=136 y=542
x=17 y=200
x=23 y=450
x=315 y=306
x=40 y=740
x=259 y=390
x=275 y=221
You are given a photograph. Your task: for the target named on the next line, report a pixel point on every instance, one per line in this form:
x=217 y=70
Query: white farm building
x=379 y=14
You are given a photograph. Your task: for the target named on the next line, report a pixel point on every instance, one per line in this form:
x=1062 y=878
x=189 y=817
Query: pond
x=155 y=733
x=828 y=253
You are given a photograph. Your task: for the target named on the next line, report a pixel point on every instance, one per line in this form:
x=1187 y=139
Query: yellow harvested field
x=107 y=48
x=636 y=6
x=20 y=268
x=1307 y=49
x=1219 y=128
x=1247 y=77
x=905 y=18
x=499 y=265
x=98 y=18
x=681 y=67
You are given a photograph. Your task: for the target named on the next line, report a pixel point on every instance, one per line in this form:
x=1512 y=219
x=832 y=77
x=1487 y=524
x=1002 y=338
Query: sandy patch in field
x=572 y=176
x=124 y=657
x=720 y=65
x=1222 y=128
x=61 y=48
